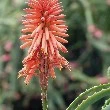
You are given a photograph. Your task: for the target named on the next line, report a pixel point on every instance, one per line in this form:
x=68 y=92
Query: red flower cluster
x=43 y=33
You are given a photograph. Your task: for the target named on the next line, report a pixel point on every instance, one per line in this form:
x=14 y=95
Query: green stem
x=88 y=12
x=44 y=99
x=90 y=21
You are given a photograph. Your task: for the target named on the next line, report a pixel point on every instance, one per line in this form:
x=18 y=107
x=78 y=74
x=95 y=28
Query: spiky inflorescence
x=43 y=33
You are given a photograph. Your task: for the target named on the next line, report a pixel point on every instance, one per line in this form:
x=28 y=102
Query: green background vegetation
x=89 y=55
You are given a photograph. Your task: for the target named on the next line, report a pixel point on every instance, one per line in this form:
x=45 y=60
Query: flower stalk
x=44 y=82
x=44 y=99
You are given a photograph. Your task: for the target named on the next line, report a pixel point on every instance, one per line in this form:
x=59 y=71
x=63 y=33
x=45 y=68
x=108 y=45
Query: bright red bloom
x=43 y=33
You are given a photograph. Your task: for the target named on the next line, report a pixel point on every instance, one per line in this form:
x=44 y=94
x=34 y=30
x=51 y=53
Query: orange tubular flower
x=43 y=33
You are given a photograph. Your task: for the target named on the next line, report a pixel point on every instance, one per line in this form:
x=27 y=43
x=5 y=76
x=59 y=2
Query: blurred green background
x=89 y=56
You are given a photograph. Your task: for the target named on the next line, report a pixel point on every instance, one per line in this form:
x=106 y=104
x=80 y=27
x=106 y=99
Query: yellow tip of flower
x=19 y=76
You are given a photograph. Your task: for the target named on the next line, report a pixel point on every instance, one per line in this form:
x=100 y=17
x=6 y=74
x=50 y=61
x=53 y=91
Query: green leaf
x=107 y=103
x=94 y=94
x=107 y=107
